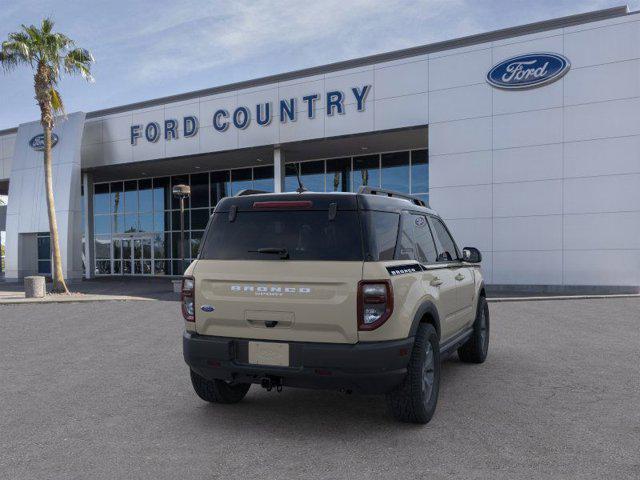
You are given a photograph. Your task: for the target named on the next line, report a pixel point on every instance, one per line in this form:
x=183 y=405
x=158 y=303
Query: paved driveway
x=100 y=391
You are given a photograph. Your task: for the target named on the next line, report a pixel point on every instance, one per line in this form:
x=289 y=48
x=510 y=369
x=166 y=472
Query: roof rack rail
x=390 y=193
x=249 y=191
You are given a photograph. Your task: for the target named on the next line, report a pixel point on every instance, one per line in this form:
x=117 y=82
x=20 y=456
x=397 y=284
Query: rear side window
x=383 y=234
x=447 y=250
x=416 y=241
x=305 y=235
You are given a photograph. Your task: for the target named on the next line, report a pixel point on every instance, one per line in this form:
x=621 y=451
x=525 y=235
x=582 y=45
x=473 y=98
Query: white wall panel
x=92 y=132
x=587 y=122
x=599 y=83
x=462 y=202
x=402 y=79
x=255 y=135
x=398 y=112
x=8 y=146
x=602 y=267
x=352 y=121
x=528 y=268
x=460 y=136
x=602 y=157
x=472 y=232
x=345 y=82
x=508 y=101
x=486 y=267
x=527 y=233
x=540 y=162
x=613 y=193
x=471 y=168
x=460 y=103
x=303 y=128
x=528 y=128
x=117 y=128
x=117 y=152
x=603 y=45
x=459 y=70
x=548 y=42
x=602 y=231
x=298 y=89
x=527 y=198
x=212 y=140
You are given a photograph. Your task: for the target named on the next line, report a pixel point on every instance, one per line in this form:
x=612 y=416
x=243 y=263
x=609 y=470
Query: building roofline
x=469 y=40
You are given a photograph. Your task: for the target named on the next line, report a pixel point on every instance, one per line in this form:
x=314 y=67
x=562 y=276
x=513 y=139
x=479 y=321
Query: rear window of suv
x=304 y=235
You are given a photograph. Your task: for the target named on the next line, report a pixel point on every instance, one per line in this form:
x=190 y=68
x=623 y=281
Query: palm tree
x=47 y=53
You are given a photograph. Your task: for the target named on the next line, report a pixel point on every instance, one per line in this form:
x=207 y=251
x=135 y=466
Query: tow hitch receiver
x=271 y=382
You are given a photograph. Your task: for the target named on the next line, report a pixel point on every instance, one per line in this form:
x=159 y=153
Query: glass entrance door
x=133 y=255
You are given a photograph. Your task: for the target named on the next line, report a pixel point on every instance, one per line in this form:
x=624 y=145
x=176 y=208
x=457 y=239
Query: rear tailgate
x=288 y=300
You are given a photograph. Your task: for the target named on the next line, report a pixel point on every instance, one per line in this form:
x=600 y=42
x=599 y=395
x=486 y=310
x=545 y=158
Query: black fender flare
x=427 y=307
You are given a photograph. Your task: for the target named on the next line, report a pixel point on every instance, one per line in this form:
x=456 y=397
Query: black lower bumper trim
x=368 y=367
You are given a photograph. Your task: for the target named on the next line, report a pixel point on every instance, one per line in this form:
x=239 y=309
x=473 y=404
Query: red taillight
x=187 y=299
x=375 y=303
x=284 y=204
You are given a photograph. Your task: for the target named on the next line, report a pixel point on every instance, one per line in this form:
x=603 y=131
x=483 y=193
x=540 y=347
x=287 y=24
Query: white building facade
x=526 y=140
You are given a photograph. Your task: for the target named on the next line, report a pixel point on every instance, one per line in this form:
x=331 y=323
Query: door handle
x=436 y=282
x=459 y=277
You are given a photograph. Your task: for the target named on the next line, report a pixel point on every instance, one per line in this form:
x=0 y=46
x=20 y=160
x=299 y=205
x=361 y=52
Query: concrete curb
x=560 y=297
x=73 y=299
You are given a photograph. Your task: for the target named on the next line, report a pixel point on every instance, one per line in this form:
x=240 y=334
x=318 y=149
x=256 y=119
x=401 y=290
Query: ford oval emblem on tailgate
x=207 y=308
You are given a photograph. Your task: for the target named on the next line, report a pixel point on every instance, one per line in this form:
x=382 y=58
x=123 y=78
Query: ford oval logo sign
x=528 y=71
x=207 y=308
x=37 y=142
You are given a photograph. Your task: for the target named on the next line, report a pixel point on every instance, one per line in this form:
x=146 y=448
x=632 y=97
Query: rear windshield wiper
x=284 y=254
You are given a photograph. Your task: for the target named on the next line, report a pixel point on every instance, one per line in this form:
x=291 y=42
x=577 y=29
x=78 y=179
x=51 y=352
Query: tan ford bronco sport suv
x=363 y=292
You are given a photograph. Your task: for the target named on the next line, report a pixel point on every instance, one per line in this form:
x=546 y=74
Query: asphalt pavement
x=100 y=391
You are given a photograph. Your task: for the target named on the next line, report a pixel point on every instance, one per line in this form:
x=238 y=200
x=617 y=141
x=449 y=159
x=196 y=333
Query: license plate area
x=269 y=353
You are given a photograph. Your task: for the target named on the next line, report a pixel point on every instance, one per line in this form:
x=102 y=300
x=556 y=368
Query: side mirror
x=471 y=255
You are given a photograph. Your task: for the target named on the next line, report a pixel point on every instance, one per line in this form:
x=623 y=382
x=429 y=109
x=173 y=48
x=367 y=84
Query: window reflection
x=144 y=209
x=366 y=171
x=395 y=171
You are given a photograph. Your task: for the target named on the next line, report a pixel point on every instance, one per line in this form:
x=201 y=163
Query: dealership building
x=526 y=140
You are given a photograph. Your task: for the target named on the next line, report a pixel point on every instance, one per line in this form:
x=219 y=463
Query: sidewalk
x=96 y=290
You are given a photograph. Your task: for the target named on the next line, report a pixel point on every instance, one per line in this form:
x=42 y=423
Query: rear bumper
x=371 y=367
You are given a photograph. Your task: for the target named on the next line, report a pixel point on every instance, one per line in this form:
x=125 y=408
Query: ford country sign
x=528 y=71
x=37 y=142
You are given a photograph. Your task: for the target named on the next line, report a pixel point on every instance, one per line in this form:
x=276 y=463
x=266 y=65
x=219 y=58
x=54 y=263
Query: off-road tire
x=475 y=350
x=218 y=391
x=413 y=401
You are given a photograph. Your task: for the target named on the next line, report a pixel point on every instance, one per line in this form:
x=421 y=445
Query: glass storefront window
x=338 y=175
x=103 y=247
x=220 y=186
x=145 y=196
x=200 y=190
x=144 y=211
x=366 y=171
x=241 y=179
x=145 y=222
x=199 y=219
x=419 y=171
x=101 y=198
x=263 y=178
x=102 y=224
x=161 y=194
x=395 y=171
x=117 y=200
x=131 y=196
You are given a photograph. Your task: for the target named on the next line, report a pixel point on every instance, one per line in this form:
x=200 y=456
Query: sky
x=149 y=49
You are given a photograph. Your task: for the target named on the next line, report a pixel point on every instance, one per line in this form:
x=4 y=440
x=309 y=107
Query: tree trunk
x=42 y=85
x=59 y=285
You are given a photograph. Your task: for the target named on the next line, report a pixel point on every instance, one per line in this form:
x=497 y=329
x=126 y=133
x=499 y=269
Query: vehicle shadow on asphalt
x=315 y=412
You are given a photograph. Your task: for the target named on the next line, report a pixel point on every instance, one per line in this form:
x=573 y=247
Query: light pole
x=182 y=192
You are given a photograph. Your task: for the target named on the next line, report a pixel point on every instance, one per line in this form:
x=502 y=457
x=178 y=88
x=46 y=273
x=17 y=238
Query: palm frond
x=56 y=101
x=79 y=60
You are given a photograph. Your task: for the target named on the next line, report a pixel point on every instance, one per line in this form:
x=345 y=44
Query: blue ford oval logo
x=528 y=71
x=207 y=308
x=37 y=142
